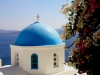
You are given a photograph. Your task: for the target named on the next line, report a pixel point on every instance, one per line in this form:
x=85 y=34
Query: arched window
x=34 y=61
x=55 y=59
x=16 y=59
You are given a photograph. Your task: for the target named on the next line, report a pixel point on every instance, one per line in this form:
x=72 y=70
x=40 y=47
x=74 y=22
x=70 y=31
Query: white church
x=38 y=50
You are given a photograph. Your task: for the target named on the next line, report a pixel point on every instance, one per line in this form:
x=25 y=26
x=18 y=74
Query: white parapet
x=0 y=63
x=67 y=71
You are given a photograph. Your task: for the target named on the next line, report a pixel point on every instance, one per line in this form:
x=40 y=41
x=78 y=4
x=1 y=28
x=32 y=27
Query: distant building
x=38 y=50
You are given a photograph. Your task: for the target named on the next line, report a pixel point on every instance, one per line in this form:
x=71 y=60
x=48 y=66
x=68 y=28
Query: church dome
x=38 y=34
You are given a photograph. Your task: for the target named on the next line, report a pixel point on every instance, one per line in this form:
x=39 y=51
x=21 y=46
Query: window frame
x=32 y=61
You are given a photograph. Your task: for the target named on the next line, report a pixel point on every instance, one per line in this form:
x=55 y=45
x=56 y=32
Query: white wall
x=50 y=62
x=14 y=50
x=45 y=58
x=42 y=64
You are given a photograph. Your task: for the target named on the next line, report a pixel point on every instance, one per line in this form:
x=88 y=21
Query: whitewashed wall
x=50 y=59
x=45 y=58
x=14 y=50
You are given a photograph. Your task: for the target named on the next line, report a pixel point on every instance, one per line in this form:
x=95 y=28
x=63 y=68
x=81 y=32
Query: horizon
x=16 y=15
x=22 y=29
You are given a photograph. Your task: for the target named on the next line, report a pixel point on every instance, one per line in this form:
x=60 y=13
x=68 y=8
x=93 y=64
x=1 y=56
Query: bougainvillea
x=84 y=19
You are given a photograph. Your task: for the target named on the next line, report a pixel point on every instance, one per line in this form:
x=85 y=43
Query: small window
x=17 y=63
x=54 y=54
x=34 y=61
x=17 y=55
x=56 y=61
x=16 y=59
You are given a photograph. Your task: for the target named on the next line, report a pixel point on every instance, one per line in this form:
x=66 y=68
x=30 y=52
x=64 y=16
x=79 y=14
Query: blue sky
x=17 y=14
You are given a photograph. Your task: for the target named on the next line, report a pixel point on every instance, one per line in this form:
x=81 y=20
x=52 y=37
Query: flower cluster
x=94 y=4
x=96 y=36
x=84 y=18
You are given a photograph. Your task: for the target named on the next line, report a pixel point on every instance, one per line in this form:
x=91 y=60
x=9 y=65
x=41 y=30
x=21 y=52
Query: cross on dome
x=37 y=17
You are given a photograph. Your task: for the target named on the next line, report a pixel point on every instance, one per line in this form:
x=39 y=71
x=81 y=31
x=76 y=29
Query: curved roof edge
x=40 y=46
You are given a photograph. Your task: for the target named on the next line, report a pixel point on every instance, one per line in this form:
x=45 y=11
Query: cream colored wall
x=50 y=62
x=14 y=50
x=45 y=58
x=42 y=64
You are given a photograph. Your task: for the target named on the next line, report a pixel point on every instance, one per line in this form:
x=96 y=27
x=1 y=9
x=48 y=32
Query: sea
x=6 y=39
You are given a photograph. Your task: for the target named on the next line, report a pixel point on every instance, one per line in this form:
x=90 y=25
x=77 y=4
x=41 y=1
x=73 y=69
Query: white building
x=38 y=50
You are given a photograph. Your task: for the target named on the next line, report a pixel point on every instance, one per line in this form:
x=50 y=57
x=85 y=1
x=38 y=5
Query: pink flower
x=98 y=34
x=83 y=46
x=76 y=45
x=86 y=16
x=77 y=7
x=89 y=10
x=80 y=72
x=86 y=30
x=80 y=61
x=98 y=38
x=94 y=4
x=91 y=27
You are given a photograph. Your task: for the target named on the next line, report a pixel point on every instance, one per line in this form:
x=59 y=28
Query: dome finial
x=37 y=17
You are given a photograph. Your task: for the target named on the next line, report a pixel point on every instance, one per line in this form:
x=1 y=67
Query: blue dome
x=38 y=34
